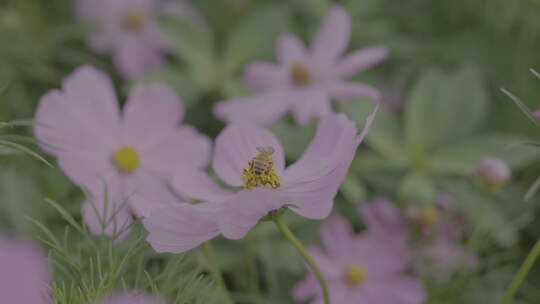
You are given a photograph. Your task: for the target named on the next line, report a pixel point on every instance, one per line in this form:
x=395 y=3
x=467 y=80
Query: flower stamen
x=300 y=75
x=355 y=275
x=133 y=20
x=126 y=159
x=261 y=170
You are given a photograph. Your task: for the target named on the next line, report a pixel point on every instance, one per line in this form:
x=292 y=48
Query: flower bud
x=493 y=171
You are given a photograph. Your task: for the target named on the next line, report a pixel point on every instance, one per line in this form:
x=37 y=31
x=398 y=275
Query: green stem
x=521 y=274
x=214 y=270
x=296 y=243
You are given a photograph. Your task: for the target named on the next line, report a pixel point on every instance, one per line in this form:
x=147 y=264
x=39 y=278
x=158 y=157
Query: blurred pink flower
x=25 y=276
x=494 y=171
x=430 y=237
x=308 y=186
x=127 y=29
x=536 y=114
x=125 y=160
x=304 y=81
x=359 y=269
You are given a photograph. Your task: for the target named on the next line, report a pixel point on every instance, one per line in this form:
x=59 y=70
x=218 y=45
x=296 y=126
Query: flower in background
x=430 y=235
x=304 y=81
x=493 y=171
x=536 y=114
x=252 y=157
x=127 y=29
x=125 y=160
x=360 y=269
x=25 y=277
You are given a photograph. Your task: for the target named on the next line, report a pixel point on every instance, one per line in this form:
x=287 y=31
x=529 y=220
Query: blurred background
x=442 y=83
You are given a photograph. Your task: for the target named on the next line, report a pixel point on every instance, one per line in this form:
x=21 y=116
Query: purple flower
x=359 y=269
x=494 y=171
x=251 y=157
x=428 y=236
x=304 y=81
x=536 y=114
x=125 y=160
x=25 y=276
x=127 y=30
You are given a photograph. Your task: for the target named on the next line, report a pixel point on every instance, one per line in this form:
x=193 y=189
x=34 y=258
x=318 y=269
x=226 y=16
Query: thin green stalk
x=521 y=274
x=214 y=270
x=296 y=243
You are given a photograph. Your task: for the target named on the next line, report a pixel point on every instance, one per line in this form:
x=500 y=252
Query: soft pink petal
x=182 y=227
x=151 y=113
x=199 y=186
x=82 y=117
x=333 y=36
x=398 y=289
x=290 y=49
x=309 y=103
x=262 y=109
x=383 y=216
x=264 y=75
x=25 y=276
x=237 y=144
x=131 y=298
x=353 y=90
x=241 y=212
x=337 y=235
x=133 y=56
x=182 y=151
x=360 y=60
x=87 y=168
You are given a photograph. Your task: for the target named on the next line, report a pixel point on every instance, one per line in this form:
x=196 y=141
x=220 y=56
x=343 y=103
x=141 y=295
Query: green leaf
x=463 y=157
x=353 y=189
x=444 y=108
x=25 y=150
x=255 y=36
x=521 y=105
x=417 y=187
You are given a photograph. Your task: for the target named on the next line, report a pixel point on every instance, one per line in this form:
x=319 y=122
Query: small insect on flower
x=263 y=161
x=261 y=170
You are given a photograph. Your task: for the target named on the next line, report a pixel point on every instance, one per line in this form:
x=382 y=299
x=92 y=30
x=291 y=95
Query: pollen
x=126 y=159
x=261 y=170
x=428 y=216
x=355 y=275
x=133 y=20
x=300 y=75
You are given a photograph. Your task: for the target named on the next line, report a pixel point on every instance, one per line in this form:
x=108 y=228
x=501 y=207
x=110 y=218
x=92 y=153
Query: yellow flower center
x=300 y=75
x=355 y=274
x=261 y=170
x=126 y=159
x=428 y=216
x=133 y=20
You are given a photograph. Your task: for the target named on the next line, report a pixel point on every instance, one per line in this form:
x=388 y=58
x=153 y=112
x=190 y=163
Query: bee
x=263 y=160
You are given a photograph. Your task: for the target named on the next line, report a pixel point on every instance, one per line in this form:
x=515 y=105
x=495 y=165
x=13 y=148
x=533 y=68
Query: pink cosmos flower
x=25 y=277
x=125 y=160
x=127 y=29
x=251 y=157
x=493 y=171
x=304 y=81
x=359 y=269
x=428 y=236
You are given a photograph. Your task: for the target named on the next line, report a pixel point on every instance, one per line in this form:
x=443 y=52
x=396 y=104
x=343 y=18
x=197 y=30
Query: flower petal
x=337 y=236
x=262 y=109
x=264 y=75
x=309 y=103
x=312 y=182
x=360 y=60
x=82 y=117
x=237 y=144
x=133 y=56
x=290 y=49
x=150 y=114
x=199 y=186
x=399 y=289
x=182 y=227
x=25 y=276
x=181 y=150
x=353 y=90
x=333 y=36
x=243 y=211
